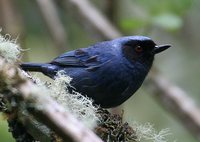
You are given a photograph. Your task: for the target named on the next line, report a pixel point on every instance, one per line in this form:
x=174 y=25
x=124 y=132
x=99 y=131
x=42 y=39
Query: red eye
x=138 y=48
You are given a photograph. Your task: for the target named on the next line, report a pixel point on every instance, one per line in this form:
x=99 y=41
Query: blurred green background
x=174 y=22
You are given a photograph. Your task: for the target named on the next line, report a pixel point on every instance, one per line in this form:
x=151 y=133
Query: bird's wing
x=86 y=57
x=72 y=58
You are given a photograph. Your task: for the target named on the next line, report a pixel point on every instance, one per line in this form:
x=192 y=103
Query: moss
x=111 y=128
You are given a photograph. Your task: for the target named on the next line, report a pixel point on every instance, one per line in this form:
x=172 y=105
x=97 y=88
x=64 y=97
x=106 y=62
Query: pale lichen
x=146 y=132
x=9 y=49
x=82 y=107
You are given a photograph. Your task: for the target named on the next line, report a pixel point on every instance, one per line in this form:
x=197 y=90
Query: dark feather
x=68 y=61
x=79 y=58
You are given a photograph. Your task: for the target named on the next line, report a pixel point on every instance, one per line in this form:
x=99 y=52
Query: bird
x=109 y=72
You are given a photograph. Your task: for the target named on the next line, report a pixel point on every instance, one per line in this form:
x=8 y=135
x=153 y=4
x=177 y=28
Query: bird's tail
x=36 y=67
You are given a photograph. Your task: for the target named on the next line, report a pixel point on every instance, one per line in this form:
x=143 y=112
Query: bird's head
x=140 y=49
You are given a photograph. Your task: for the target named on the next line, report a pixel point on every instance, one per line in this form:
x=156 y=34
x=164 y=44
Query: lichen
x=9 y=50
x=80 y=106
x=146 y=132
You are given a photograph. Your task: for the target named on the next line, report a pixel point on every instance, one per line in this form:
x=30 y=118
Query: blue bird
x=109 y=72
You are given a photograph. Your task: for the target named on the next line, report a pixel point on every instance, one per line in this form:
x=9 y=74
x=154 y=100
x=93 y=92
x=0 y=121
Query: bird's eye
x=138 y=49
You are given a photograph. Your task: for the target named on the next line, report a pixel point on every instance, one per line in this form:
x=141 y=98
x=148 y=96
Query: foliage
x=166 y=15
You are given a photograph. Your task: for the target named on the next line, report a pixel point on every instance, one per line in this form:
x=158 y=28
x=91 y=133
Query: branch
x=54 y=24
x=15 y=86
x=177 y=102
x=94 y=18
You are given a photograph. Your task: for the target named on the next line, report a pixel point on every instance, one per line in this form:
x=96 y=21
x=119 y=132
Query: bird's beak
x=160 y=48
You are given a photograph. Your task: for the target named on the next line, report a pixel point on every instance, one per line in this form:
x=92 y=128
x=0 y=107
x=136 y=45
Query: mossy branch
x=18 y=90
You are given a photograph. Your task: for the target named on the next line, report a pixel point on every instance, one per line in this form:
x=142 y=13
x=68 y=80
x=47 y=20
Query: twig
x=190 y=117
x=95 y=18
x=54 y=24
x=177 y=102
x=15 y=86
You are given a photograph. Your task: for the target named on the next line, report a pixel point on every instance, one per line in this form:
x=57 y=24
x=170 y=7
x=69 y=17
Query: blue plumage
x=109 y=72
